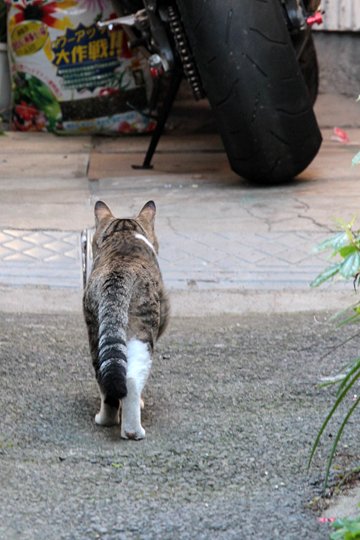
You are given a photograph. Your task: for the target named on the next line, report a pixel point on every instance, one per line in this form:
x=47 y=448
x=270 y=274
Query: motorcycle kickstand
x=163 y=116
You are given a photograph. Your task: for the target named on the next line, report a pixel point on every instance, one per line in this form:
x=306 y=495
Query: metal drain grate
x=40 y=257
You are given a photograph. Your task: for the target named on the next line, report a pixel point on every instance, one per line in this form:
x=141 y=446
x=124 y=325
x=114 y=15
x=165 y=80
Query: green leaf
x=337 y=439
x=350 y=266
x=353 y=314
x=354 y=528
x=335 y=242
x=328 y=418
x=328 y=273
x=351 y=319
x=354 y=369
x=347 y=250
x=346 y=529
x=330 y=381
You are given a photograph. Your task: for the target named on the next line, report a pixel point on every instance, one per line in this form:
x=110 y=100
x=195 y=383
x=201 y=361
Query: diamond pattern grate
x=29 y=257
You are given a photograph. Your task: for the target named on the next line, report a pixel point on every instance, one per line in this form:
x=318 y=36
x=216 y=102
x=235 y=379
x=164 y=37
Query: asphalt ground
x=231 y=410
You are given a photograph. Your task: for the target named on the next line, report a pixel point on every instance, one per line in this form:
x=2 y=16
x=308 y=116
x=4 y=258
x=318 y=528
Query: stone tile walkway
x=218 y=260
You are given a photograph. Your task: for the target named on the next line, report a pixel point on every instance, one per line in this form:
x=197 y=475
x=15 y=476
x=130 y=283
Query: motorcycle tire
x=252 y=79
x=310 y=68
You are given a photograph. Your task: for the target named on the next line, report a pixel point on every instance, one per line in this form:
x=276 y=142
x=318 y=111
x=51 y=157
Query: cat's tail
x=112 y=349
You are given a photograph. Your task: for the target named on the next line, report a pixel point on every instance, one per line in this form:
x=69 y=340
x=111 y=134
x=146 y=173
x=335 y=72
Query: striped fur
x=112 y=350
x=124 y=300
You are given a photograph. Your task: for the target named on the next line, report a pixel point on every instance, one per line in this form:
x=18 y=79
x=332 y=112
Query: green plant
x=345 y=245
x=346 y=529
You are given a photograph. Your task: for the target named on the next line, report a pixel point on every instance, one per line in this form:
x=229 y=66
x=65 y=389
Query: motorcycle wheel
x=310 y=68
x=251 y=76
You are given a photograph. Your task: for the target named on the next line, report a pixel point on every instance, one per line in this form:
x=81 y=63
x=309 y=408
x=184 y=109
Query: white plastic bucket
x=5 y=88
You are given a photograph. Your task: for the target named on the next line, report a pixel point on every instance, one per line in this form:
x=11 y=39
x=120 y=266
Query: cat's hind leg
x=138 y=369
x=109 y=414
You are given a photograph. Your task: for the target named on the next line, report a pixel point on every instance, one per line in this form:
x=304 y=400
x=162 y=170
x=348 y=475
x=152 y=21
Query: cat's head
x=106 y=224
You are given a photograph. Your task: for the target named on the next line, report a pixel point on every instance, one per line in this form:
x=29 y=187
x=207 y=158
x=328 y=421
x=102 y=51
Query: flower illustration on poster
x=29 y=25
x=43 y=11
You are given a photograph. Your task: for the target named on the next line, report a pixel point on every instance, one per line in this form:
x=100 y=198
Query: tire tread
x=273 y=135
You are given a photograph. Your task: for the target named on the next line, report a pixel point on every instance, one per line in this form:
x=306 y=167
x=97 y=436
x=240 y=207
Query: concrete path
x=220 y=237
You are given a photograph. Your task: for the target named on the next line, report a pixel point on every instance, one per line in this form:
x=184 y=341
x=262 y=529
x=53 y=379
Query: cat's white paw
x=107 y=419
x=135 y=434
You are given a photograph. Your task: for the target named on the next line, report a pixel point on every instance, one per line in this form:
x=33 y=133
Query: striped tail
x=112 y=350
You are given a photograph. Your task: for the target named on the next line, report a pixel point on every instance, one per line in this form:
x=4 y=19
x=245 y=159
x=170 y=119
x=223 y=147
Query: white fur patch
x=138 y=362
x=144 y=239
x=138 y=369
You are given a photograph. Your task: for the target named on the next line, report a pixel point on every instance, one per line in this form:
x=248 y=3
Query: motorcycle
x=254 y=60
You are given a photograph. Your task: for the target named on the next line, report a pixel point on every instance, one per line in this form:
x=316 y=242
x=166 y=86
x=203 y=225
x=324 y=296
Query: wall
x=339 y=62
x=341 y=15
x=338 y=44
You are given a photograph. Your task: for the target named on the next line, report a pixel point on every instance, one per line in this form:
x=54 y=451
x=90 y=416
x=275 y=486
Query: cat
x=126 y=309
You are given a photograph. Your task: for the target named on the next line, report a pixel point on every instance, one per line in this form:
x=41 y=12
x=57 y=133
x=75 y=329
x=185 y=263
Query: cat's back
x=126 y=254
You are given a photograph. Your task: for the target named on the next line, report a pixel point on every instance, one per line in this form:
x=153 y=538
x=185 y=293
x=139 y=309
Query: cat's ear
x=101 y=211
x=148 y=212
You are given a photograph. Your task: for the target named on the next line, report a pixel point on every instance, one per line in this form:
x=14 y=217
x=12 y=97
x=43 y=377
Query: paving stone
x=43 y=143
x=48 y=166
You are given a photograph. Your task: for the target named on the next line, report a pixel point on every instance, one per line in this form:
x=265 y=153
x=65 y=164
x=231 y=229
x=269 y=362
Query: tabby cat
x=126 y=309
